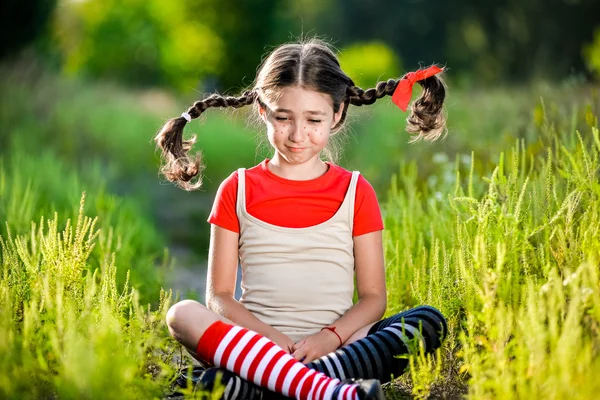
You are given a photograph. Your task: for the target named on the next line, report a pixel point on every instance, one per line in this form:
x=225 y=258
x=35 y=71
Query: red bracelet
x=332 y=329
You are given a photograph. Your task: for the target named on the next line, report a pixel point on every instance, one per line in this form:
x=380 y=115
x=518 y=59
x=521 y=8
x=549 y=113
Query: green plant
x=66 y=329
x=512 y=261
x=34 y=187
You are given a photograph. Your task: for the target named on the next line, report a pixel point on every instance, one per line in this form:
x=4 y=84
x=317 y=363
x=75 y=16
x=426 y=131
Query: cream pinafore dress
x=297 y=280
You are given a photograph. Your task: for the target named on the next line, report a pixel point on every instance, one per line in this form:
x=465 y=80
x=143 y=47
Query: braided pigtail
x=360 y=97
x=178 y=166
x=426 y=120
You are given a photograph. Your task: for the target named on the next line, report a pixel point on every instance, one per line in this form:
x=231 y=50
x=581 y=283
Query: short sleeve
x=367 y=214
x=223 y=212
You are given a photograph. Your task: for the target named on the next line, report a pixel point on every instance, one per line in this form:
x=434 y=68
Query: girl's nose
x=296 y=134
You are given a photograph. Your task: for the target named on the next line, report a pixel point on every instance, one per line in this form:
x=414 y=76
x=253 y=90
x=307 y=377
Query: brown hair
x=311 y=65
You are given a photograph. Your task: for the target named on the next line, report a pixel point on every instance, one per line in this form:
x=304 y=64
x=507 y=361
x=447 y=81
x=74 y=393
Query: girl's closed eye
x=281 y=118
x=314 y=121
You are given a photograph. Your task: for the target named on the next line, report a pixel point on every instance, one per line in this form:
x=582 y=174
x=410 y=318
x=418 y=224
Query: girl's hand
x=315 y=346
x=283 y=341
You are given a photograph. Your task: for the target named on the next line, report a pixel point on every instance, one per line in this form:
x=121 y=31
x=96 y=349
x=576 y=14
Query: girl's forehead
x=300 y=100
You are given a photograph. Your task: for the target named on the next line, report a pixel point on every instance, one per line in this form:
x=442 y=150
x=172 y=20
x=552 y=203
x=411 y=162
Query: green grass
x=31 y=188
x=511 y=257
x=81 y=120
x=67 y=330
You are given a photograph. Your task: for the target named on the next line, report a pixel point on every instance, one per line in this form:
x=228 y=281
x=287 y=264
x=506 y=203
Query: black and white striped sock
x=375 y=356
x=236 y=388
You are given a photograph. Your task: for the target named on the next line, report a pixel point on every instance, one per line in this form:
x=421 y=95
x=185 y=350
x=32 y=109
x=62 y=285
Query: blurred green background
x=85 y=84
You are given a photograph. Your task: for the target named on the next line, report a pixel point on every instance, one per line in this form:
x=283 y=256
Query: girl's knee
x=431 y=309
x=182 y=313
x=439 y=322
x=429 y=320
x=188 y=320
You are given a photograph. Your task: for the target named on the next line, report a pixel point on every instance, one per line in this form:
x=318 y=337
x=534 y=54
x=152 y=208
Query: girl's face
x=299 y=123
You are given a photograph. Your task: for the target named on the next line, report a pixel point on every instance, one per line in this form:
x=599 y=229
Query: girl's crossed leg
x=371 y=353
x=253 y=357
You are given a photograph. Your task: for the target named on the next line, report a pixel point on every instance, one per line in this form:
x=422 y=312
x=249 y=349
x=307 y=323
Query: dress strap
x=241 y=191
x=352 y=196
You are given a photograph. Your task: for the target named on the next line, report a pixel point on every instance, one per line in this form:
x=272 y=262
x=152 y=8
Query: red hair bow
x=403 y=91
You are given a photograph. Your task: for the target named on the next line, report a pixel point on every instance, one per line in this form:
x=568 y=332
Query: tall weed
x=66 y=329
x=31 y=187
x=512 y=261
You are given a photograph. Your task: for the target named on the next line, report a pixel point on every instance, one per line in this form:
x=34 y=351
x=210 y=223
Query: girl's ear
x=338 y=116
x=263 y=113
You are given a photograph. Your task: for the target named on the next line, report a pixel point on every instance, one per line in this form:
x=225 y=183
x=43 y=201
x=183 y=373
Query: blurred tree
x=591 y=54
x=247 y=29
x=368 y=63
x=179 y=43
x=217 y=45
x=503 y=39
x=139 y=42
x=21 y=22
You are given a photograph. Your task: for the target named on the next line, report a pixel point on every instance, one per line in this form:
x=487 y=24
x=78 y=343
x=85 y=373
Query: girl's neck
x=311 y=169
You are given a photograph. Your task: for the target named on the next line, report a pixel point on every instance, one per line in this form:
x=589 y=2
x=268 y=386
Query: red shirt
x=296 y=204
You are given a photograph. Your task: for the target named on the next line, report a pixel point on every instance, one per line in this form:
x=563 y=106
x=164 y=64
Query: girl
x=303 y=230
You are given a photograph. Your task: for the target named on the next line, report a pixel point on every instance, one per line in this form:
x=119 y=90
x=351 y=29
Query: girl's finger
x=298 y=345
x=308 y=358
x=299 y=354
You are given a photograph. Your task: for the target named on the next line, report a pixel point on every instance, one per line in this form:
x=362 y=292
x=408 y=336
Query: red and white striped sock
x=259 y=360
